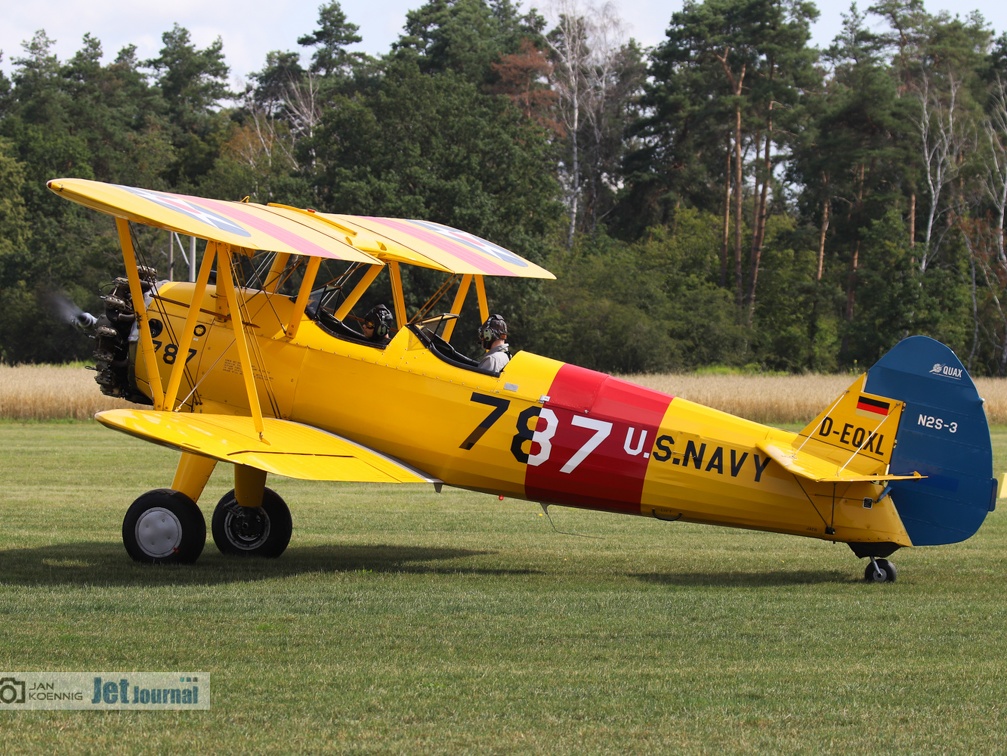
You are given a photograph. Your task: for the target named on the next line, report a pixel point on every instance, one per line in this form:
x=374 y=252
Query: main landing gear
x=252 y=531
x=880 y=571
x=165 y=526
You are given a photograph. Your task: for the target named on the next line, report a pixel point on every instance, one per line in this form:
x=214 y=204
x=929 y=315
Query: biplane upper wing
x=240 y=224
x=279 y=228
x=424 y=243
x=433 y=245
x=293 y=450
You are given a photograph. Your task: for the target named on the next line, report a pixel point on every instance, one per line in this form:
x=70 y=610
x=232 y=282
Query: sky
x=251 y=28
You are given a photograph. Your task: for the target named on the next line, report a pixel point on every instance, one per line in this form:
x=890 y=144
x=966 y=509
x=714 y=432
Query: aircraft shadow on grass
x=100 y=563
x=747 y=579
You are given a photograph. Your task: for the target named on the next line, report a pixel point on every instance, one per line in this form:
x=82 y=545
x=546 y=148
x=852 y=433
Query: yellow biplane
x=259 y=363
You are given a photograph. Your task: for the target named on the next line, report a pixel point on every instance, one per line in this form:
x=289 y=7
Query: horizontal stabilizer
x=807 y=465
x=286 y=448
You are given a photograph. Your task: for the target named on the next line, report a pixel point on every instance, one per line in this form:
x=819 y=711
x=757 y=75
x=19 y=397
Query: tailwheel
x=252 y=531
x=880 y=571
x=164 y=526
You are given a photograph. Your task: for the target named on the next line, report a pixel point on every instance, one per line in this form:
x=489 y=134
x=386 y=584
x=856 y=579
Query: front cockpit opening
x=351 y=305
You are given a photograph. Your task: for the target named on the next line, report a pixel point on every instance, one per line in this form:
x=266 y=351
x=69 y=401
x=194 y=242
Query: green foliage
x=896 y=299
x=787 y=299
x=618 y=326
x=436 y=147
x=15 y=230
x=330 y=40
x=651 y=307
x=837 y=241
x=191 y=83
x=464 y=37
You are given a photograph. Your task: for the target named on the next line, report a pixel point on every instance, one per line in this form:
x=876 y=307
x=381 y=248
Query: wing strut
x=303 y=295
x=398 y=296
x=140 y=308
x=226 y=278
x=275 y=276
x=484 y=308
x=354 y=296
x=175 y=379
x=456 y=306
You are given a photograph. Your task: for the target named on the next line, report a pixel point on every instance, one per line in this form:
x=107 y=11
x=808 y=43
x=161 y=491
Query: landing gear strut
x=880 y=571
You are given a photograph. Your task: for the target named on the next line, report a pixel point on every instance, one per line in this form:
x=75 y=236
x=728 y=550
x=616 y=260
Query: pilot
x=377 y=325
x=493 y=337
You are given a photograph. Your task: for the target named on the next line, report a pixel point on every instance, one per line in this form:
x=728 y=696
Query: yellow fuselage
x=542 y=430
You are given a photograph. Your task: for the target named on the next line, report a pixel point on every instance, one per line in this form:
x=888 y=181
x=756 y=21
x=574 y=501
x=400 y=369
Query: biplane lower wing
x=286 y=448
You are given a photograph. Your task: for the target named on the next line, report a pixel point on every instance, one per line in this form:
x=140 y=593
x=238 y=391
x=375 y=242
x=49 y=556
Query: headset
x=380 y=319
x=494 y=328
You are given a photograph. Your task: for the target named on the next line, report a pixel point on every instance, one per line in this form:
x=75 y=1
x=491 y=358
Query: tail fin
x=942 y=434
x=857 y=431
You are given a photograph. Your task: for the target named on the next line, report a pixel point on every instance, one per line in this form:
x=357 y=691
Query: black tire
x=252 y=531
x=884 y=572
x=164 y=526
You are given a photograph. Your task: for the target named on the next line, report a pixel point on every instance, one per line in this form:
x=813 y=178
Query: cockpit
x=411 y=257
x=323 y=306
x=430 y=331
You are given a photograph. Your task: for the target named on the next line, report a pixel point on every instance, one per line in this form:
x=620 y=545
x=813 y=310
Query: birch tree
x=595 y=72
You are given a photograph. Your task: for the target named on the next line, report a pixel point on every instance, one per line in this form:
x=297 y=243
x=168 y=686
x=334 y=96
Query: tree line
x=733 y=196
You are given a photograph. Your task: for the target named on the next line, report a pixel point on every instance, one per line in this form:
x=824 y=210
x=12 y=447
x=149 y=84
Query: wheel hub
x=158 y=532
x=246 y=527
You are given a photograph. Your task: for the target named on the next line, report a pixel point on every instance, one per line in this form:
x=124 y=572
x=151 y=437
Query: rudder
x=944 y=435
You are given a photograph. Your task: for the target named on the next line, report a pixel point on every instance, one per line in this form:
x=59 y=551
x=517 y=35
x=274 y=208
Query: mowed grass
x=400 y=620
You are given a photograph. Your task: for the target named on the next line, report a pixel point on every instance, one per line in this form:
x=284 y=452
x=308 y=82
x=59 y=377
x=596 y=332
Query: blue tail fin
x=943 y=434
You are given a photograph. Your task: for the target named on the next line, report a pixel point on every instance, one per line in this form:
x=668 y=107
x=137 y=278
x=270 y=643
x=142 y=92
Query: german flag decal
x=868 y=407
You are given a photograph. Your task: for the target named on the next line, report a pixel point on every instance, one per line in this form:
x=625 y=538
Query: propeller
x=63 y=308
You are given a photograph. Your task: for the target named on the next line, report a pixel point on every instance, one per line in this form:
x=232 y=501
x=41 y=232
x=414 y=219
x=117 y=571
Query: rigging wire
x=545 y=510
x=255 y=351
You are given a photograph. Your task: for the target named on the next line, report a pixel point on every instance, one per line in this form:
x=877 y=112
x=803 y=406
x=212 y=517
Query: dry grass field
x=787 y=399
x=51 y=392
x=45 y=392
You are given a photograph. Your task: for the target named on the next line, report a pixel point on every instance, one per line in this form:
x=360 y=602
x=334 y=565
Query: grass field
x=400 y=620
